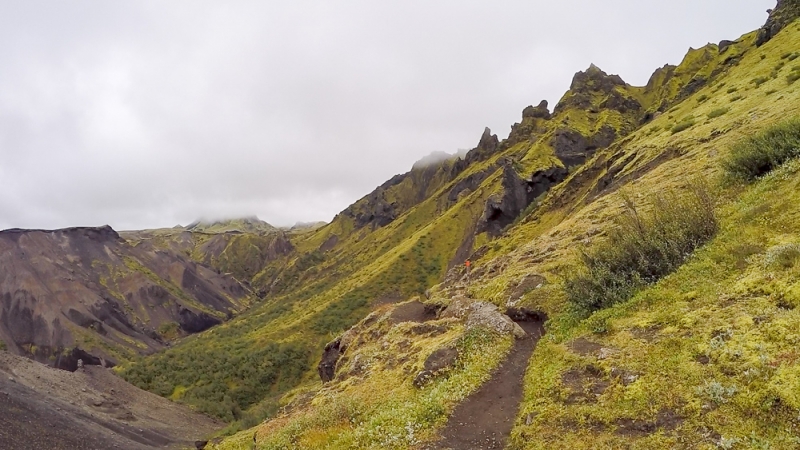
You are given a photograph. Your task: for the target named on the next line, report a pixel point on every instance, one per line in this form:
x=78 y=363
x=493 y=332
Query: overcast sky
x=143 y=114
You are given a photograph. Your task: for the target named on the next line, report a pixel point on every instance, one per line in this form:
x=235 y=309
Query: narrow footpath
x=484 y=420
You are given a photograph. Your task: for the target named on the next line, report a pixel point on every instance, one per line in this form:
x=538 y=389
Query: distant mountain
x=306 y=226
x=87 y=293
x=243 y=225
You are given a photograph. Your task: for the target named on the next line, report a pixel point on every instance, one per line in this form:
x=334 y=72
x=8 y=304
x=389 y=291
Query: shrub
x=731 y=90
x=736 y=98
x=718 y=112
x=792 y=77
x=759 y=81
x=793 y=56
x=759 y=154
x=702 y=98
x=683 y=125
x=642 y=248
x=786 y=55
x=771 y=91
x=2 y=346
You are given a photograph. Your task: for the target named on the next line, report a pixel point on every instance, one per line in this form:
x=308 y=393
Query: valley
x=634 y=256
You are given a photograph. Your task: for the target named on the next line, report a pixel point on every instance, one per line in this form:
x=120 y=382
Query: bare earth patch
x=47 y=408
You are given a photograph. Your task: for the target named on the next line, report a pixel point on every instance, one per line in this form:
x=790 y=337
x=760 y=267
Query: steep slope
x=88 y=409
x=652 y=372
x=85 y=293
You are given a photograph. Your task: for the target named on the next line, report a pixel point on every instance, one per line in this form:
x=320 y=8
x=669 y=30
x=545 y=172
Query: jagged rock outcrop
x=501 y=210
x=426 y=177
x=573 y=148
x=487 y=146
x=785 y=12
x=587 y=83
x=539 y=112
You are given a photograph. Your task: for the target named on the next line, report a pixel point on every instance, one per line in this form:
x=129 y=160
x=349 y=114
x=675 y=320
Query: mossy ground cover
x=712 y=346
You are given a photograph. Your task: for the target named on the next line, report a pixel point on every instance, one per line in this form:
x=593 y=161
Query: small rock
x=423 y=378
x=606 y=353
x=200 y=445
x=11 y=379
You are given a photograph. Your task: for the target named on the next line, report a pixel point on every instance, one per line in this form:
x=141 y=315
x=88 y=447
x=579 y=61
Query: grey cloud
x=148 y=114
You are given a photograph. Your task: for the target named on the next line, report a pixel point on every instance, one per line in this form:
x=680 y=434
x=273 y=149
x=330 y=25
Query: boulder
x=479 y=313
x=437 y=362
x=487 y=315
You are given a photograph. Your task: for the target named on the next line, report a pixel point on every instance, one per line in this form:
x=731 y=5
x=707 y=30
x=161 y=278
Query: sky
x=147 y=114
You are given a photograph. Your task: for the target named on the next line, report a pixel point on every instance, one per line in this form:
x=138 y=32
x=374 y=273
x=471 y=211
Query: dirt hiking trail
x=485 y=419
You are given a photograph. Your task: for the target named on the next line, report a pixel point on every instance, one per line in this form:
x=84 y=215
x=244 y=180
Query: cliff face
x=784 y=13
x=85 y=293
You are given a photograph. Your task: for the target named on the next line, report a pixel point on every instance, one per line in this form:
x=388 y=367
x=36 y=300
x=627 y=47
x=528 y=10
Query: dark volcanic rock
x=330 y=356
x=573 y=148
x=539 y=112
x=193 y=322
x=518 y=193
x=570 y=146
x=784 y=13
x=487 y=146
x=724 y=44
x=438 y=361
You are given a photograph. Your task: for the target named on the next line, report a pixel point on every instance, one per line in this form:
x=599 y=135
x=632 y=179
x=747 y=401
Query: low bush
x=702 y=98
x=792 y=77
x=732 y=90
x=2 y=346
x=759 y=154
x=642 y=248
x=682 y=125
x=718 y=112
x=759 y=81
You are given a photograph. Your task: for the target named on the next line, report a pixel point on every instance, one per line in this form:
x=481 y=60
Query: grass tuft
x=758 y=81
x=758 y=155
x=642 y=248
x=718 y=112
x=683 y=125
